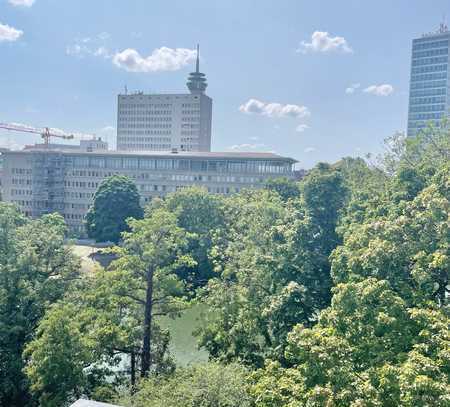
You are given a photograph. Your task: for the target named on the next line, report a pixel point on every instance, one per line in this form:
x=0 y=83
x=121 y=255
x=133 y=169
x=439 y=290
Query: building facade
x=429 y=97
x=162 y=122
x=65 y=181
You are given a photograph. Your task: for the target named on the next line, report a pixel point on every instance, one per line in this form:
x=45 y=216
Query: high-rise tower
x=429 y=94
x=165 y=122
x=197 y=81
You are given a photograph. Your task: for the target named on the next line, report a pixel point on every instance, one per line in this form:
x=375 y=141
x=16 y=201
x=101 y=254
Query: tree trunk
x=146 y=343
x=133 y=371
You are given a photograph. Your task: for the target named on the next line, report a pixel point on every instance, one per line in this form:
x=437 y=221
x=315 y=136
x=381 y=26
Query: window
x=130 y=163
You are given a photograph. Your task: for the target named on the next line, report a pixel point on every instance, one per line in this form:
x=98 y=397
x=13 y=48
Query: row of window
x=80 y=184
x=417 y=125
x=429 y=92
x=141 y=118
x=144 y=146
x=189 y=133
x=427 y=116
x=422 y=101
x=147 y=112
x=425 y=44
x=429 y=77
x=122 y=133
x=428 y=85
x=79 y=195
x=431 y=53
x=15 y=192
x=147 y=139
x=427 y=108
x=429 y=61
x=74 y=216
x=191 y=112
x=146 y=105
x=431 y=68
x=145 y=126
x=255 y=166
x=21 y=171
x=21 y=181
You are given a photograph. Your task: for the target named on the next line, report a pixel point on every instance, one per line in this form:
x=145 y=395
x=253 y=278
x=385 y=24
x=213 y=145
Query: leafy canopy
x=116 y=200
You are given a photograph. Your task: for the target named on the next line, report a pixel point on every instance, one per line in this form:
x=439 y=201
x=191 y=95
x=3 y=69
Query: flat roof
x=164 y=154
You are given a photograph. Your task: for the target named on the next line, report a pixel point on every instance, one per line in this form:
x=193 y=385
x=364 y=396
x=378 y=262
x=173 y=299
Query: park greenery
x=330 y=291
x=115 y=200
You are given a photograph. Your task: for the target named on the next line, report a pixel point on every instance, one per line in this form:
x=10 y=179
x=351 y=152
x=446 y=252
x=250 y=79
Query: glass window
x=130 y=163
x=164 y=164
x=114 y=162
x=81 y=162
x=147 y=163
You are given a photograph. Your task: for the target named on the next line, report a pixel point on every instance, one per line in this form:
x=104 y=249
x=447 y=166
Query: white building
x=162 y=122
x=62 y=180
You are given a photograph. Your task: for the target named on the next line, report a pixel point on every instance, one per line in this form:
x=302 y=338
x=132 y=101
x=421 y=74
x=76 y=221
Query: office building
x=63 y=180
x=429 y=98
x=162 y=122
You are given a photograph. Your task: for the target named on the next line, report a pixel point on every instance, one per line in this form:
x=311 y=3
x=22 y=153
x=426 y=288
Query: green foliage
x=332 y=292
x=286 y=188
x=36 y=269
x=116 y=200
x=273 y=269
x=206 y=385
x=409 y=246
x=384 y=341
x=202 y=215
x=102 y=324
x=368 y=349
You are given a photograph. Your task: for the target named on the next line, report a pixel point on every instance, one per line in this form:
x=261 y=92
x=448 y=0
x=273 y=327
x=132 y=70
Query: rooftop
x=162 y=154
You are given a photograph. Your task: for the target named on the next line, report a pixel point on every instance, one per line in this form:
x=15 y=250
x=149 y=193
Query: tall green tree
x=116 y=200
x=113 y=317
x=273 y=269
x=36 y=268
x=202 y=215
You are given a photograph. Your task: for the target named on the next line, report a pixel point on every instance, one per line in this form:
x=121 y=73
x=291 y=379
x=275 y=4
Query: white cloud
x=8 y=33
x=102 y=52
x=161 y=59
x=352 y=88
x=21 y=3
x=80 y=51
x=254 y=138
x=248 y=147
x=380 y=90
x=6 y=142
x=322 y=42
x=276 y=110
x=90 y=46
x=309 y=149
x=104 y=36
x=301 y=128
x=108 y=129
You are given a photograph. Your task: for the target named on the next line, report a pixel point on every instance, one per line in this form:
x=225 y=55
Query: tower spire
x=197 y=62
x=197 y=81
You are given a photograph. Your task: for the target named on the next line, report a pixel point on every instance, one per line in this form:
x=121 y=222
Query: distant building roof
x=90 y=403
x=168 y=154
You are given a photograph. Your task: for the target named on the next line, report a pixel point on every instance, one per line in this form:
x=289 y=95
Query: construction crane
x=46 y=133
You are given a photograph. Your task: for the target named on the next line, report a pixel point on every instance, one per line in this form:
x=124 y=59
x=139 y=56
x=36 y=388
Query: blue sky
x=280 y=72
